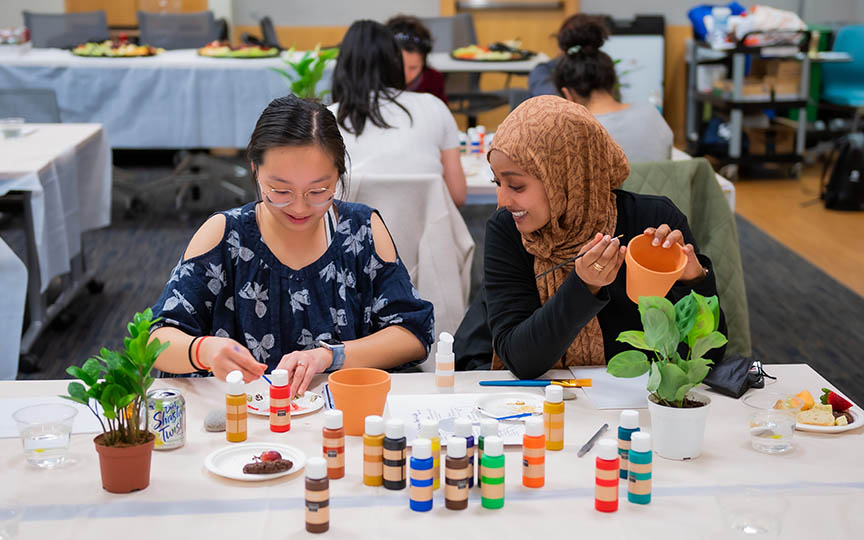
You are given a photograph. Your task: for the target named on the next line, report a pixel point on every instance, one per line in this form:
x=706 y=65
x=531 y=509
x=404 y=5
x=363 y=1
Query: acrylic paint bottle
x=639 y=479
x=534 y=453
x=394 y=454
x=628 y=424
x=373 y=451
x=456 y=475
x=317 y=496
x=445 y=364
x=488 y=428
x=235 y=408
x=334 y=443
x=429 y=430
x=462 y=427
x=280 y=401
x=420 y=492
x=606 y=480
x=492 y=473
x=553 y=417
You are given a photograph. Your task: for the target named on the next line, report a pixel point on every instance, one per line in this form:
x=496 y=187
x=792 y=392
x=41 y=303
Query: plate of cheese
x=831 y=414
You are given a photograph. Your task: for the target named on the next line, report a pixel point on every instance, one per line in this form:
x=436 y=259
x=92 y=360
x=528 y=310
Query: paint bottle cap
x=488 y=427
x=640 y=442
x=374 y=425
x=493 y=446
x=629 y=419
x=456 y=447
x=429 y=428
x=481 y=129
x=445 y=347
x=279 y=377
x=395 y=429
x=607 y=449
x=236 y=386
x=554 y=393
x=462 y=428
x=316 y=468
x=333 y=419
x=421 y=449
x=534 y=426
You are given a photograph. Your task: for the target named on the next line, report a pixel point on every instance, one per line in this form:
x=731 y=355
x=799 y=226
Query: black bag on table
x=845 y=188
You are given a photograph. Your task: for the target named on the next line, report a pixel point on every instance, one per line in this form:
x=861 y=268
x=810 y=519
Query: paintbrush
x=557 y=266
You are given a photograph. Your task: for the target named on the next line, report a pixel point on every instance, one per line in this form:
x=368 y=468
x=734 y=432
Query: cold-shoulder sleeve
x=187 y=301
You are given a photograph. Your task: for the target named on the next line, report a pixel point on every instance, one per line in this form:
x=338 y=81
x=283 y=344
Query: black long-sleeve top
x=529 y=338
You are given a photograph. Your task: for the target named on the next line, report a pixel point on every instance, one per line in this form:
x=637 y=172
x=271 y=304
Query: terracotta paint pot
x=652 y=270
x=124 y=469
x=358 y=393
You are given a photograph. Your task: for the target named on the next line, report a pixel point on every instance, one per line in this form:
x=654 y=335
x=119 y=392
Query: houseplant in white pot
x=118 y=381
x=678 y=414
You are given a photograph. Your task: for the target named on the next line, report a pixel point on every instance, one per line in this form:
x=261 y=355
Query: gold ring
x=598 y=267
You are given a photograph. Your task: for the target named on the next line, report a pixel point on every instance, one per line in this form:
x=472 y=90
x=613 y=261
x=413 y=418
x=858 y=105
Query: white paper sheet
x=414 y=408
x=608 y=392
x=85 y=421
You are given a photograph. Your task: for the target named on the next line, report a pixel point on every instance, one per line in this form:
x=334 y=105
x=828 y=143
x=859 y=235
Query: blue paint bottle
x=628 y=424
x=639 y=482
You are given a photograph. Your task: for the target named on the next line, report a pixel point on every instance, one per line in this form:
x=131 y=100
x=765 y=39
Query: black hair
x=369 y=69
x=292 y=121
x=411 y=35
x=583 y=67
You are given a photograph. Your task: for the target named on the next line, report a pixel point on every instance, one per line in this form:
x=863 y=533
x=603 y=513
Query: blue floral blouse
x=239 y=289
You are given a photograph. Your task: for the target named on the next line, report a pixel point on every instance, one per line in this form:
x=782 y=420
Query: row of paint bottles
x=609 y=463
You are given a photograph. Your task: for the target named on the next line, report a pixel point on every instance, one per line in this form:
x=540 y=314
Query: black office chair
x=463 y=89
x=268 y=33
x=65 y=30
x=177 y=30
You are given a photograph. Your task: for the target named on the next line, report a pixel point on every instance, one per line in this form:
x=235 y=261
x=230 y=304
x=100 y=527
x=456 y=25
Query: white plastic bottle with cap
x=639 y=481
x=553 y=417
x=456 y=475
x=235 y=407
x=445 y=363
x=606 y=476
x=317 y=495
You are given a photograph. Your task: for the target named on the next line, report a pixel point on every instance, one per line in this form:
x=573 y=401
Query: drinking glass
x=772 y=418
x=753 y=514
x=45 y=431
x=11 y=127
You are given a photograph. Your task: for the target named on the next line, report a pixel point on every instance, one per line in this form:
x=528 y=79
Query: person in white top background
x=386 y=129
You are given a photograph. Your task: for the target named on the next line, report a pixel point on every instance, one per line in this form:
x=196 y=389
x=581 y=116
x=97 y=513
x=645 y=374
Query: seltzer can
x=166 y=411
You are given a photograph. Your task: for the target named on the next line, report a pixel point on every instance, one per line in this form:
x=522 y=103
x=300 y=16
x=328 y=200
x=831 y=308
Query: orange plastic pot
x=124 y=469
x=652 y=270
x=358 y=393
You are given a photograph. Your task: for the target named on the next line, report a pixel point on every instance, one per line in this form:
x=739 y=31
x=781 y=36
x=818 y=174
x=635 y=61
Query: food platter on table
x=856 y=413
x=497 y=52
x=229 y=461
x=220 y=49
x=115 y=49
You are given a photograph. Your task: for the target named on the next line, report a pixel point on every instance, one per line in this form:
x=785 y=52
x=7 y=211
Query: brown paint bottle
x=456 y=475
x=317 y=496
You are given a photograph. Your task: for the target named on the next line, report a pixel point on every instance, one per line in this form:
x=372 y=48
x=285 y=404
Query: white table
x=176 y=99
x=820 y=479
x=64 y=172
x=443 y=62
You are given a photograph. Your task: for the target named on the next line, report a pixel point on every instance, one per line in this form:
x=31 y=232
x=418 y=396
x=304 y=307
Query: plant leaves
x=681 y=392
x=704 y=324
x=672 y=378
x=697 y=370
x=646 y=302
x=628 y=364
x=704 y=344
x=636 y=338
x=654 y=377
x=714 y=304
x=77 y=393
x=660 y=332
x=686 y=310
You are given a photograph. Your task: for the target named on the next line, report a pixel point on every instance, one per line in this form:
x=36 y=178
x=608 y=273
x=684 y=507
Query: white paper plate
x=498 y=405
x=258 y=400
x=229 y=461
x=857 y=414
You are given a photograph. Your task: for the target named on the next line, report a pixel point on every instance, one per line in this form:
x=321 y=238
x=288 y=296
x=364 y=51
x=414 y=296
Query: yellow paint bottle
x=235 y=408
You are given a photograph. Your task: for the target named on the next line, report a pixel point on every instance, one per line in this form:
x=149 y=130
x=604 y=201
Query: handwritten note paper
x=608 y=392
x=414 y=408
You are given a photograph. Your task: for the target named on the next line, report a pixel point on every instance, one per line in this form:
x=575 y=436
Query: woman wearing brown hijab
x=558 y=172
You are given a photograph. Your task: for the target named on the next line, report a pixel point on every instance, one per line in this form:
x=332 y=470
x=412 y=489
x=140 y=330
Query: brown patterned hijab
x=560 y=143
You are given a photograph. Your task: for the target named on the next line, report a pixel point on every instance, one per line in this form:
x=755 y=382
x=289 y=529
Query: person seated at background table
x=388 y=130
x=415 y=41
x=287 y=281
x=586 y=75
x=557 y=172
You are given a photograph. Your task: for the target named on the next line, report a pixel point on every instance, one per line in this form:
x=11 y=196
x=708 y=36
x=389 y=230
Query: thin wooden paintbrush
x=556 y=267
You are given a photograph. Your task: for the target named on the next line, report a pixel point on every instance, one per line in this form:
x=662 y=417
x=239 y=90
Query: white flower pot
x=678 y=433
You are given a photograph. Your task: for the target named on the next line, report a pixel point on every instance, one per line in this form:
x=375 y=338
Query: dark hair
x=583 y=67
x=369 y=68
x=291 y=121
x=411 y=35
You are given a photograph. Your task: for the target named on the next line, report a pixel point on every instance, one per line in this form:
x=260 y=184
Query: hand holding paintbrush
x=597 y=263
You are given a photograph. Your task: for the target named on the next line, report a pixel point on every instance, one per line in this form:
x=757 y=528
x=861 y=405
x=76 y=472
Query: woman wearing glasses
x=298 y=280
x=415 y=41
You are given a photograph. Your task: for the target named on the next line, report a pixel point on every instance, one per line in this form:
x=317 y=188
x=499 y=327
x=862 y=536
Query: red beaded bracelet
x=197 y=358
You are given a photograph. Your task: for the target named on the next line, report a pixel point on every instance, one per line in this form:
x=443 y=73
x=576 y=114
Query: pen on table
x=587 y=446
x=568 y=261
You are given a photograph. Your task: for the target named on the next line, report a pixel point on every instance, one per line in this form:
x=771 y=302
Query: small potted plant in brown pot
x=118 y=382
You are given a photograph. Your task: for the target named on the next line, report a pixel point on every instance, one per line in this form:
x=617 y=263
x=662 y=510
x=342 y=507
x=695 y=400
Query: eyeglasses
x=280 y=198
x=410 y=38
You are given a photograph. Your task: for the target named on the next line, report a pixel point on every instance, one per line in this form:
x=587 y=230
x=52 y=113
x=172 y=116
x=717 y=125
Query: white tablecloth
x=13 y=283
x=67 y=169
x=176 y=99
x=444 y=63
x=820 y=480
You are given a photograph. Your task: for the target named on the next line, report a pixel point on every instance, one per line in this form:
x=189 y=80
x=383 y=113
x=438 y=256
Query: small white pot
x=678 y=433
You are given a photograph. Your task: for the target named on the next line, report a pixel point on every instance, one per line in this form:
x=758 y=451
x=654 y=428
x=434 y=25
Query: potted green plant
x=118 y=381
x=307 y=71
x=678 y=414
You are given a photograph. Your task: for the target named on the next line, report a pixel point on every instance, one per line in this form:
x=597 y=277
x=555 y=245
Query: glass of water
x=11 y=127
x=45 y=431
x=772 y=419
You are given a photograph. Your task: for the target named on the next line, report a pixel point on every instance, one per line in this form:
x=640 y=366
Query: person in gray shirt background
x=586 y=75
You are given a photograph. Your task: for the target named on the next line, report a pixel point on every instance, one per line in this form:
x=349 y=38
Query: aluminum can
x=166 y=411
